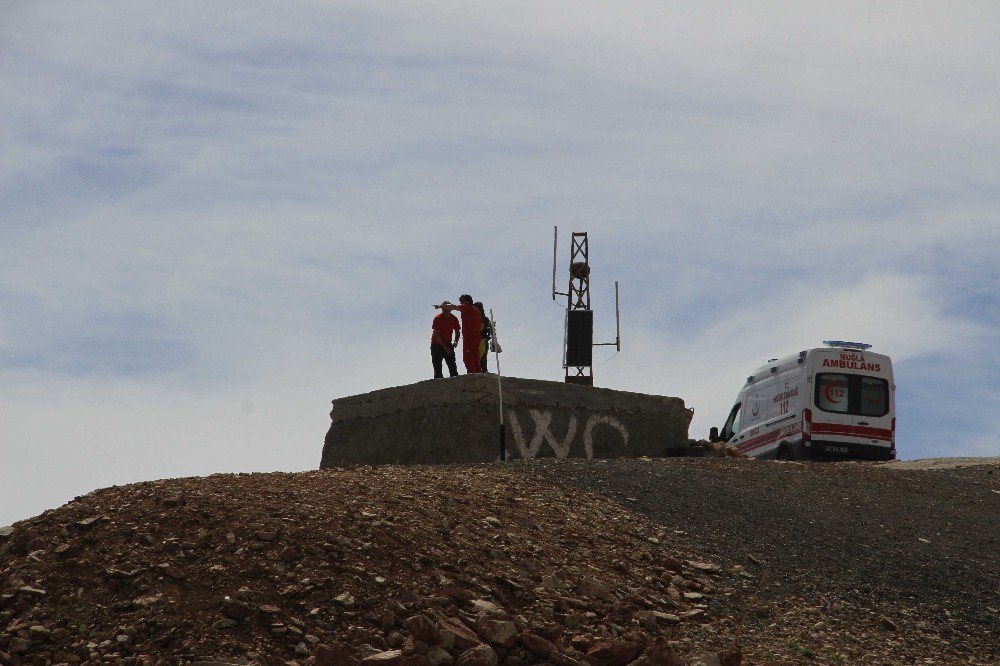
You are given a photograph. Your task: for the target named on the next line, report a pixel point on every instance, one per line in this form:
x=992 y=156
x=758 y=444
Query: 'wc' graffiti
x=561 y=447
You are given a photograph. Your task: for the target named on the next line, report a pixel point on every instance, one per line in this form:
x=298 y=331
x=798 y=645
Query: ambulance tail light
x=807 y=425
x=892 y=435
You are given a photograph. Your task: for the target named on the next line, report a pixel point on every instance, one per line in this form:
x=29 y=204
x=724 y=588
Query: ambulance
x=829 y=403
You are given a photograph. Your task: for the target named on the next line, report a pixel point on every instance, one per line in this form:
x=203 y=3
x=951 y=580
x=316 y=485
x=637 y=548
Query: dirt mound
x=388 y=565
x=643 y=562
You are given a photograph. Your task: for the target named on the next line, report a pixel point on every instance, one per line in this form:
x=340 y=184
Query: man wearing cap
x=442 y=348
x=472 y=327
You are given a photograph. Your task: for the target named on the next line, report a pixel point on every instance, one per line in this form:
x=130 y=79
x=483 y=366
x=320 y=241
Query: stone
x=90 y=521
x=415 y=660
x=887 y=623
x=334 y=655
x=38 y=632
x=536 y=644
x=594 y=589
x=171 y=571
x=422 y=628
x=499 y=632
x=438 y=656
x=237 y=610
x=615 y=652
x=672 y=564
x=456 y=592
x=5 y=532
x=345 y=599
x=19 y=645
x=553 y=583
x=395 y=639
x=28 y=591
x=481 y=655
x=483 y=606
x=703 y=566
x=659 y=653
x=731 y=658
x=647 y=620
x=288 y=554
x=562 y=659
x=454 y=630
x=385 y=658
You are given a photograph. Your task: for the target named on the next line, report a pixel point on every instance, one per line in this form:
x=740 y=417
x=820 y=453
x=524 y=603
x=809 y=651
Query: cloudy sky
x=216 y=218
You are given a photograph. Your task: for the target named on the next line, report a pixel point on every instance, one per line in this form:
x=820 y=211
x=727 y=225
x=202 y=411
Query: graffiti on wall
x=542 y=433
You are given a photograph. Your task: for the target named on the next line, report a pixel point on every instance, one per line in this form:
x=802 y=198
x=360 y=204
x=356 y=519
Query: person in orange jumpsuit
x=472 y=328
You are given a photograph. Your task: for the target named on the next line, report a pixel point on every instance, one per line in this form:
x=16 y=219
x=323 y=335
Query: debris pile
x=422 y=566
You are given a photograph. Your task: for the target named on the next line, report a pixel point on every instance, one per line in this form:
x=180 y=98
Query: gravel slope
x=873 y=563
x=398 y=566
x=681 y=561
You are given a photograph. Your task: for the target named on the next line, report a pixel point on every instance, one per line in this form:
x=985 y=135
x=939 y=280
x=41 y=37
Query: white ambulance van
x=829 y=403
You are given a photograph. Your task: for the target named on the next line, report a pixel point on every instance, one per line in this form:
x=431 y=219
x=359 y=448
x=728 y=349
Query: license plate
x=836 y=449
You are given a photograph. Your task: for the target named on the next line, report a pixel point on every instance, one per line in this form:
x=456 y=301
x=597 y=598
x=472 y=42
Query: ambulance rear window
x=852 y=394
x=831 y=393
x=874 y=396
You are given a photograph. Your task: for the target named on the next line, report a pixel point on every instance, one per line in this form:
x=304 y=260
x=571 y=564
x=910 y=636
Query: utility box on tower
x=580 y=338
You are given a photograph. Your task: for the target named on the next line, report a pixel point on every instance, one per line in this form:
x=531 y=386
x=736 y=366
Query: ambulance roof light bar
x=863 y=346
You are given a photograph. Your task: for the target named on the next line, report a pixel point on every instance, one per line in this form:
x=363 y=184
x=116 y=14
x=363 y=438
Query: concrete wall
x=456 y=420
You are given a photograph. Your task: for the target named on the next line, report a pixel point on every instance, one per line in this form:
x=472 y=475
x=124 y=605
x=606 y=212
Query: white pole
x=496 y=354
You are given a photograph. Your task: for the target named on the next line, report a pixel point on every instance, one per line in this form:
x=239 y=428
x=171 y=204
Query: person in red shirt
x=442 y=348
x=472 y=328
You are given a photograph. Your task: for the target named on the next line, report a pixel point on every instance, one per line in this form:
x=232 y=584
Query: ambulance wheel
x=783 y=453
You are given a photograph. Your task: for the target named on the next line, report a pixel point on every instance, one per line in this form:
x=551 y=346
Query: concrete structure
x=456 y=420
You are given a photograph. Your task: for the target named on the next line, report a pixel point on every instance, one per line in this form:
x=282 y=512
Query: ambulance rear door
x=852 y=397
x=832 y=420
x=873 y=424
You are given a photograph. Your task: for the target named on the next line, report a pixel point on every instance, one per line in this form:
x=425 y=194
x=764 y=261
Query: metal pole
x=555 y=245
x=618 y=321
x=496 y=355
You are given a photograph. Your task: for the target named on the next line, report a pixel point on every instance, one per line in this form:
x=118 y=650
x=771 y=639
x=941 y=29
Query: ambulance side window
x=732 y=424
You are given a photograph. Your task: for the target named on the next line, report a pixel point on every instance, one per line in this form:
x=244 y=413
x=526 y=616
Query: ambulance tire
x=784 y=453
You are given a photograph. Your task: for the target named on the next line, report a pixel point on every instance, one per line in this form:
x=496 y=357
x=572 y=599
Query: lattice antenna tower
x=578 y=327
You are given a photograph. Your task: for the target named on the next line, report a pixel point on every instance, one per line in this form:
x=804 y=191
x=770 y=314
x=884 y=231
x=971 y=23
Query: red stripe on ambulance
x=852 y=431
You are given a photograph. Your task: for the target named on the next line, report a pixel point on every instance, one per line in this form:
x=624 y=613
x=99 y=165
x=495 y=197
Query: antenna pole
x=555 y=246
x=618 y=321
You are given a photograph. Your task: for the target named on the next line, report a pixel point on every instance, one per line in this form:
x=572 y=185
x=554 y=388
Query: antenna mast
x=578 y=331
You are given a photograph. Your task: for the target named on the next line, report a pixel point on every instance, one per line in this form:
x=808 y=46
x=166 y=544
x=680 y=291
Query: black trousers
x=439 y=354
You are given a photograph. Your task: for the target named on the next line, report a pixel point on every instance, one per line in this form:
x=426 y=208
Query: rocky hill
x=674 y=561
